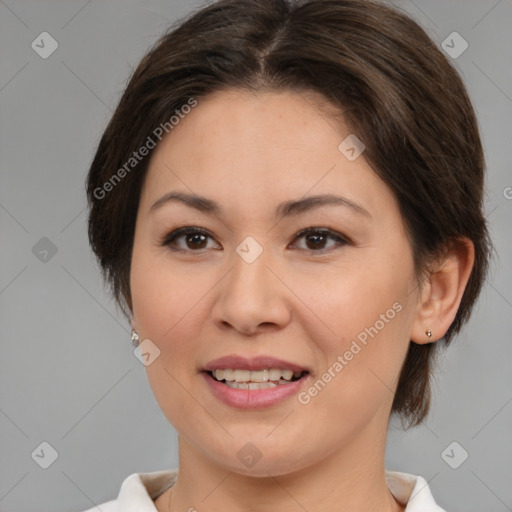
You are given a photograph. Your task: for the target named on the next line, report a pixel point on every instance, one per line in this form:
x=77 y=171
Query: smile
x=256 y=379
x=254 y=383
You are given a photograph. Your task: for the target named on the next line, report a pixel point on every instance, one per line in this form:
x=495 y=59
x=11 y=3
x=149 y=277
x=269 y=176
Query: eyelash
x=340 y=240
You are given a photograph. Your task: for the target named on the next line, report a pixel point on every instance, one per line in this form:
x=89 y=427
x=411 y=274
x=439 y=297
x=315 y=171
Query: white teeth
x=252 y=385
x=274 y=374
x=242 y=375
x=261 y=385
x=259 y=376
x=287 y=374
x=255 y=376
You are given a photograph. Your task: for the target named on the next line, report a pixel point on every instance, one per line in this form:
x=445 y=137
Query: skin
x=297 y=301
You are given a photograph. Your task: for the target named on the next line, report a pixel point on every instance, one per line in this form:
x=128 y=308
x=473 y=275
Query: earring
x=428 y=332
x=135 y=338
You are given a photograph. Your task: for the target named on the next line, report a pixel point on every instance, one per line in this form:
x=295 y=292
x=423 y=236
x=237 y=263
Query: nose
x=252 y=297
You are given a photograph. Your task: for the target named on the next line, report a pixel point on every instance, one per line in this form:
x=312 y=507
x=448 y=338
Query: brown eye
x=318 y=239
x=196 y=241
x=187 y=239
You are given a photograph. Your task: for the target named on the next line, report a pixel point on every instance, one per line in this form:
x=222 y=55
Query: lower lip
x=253 y=398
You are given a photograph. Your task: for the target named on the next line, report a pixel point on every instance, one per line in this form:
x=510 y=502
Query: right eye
x=189 y=239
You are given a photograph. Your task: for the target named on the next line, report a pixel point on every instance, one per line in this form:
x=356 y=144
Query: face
x=282 y=303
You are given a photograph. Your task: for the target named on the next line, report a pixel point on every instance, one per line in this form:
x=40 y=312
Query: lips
x=257 y=363
x=253 y=383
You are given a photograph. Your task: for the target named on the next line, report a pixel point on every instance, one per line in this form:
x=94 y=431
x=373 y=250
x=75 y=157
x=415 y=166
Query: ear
x=442 y=292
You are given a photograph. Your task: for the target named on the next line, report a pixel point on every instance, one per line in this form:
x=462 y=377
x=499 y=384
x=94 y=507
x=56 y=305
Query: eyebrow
x=285 y=209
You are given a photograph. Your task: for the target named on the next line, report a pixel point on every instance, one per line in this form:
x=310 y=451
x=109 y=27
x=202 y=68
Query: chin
x=260 y=460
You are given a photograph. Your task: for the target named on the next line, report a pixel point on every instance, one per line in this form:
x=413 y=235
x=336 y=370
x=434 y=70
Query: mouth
x=254 y=383
x=255 y=379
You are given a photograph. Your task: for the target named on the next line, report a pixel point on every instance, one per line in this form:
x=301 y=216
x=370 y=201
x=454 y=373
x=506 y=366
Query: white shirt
x=139 y=490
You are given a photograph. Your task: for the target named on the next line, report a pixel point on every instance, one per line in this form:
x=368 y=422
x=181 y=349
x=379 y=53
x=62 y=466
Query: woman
x=287 y=203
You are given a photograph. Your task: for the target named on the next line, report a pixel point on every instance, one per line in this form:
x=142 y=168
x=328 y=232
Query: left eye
x=316 y=239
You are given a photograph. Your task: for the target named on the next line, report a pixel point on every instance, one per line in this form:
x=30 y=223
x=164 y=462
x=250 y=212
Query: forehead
x=271 y=120
x=251 y=147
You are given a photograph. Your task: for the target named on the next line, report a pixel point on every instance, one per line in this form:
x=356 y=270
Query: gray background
x=67 y=372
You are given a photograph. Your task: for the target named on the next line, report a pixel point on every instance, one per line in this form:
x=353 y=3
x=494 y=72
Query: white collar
x=139 y=490
x=413 y=490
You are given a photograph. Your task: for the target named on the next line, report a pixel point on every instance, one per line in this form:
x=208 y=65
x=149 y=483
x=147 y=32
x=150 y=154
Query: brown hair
x=395 y=89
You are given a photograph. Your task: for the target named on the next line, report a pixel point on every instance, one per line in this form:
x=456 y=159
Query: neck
x=350 y=479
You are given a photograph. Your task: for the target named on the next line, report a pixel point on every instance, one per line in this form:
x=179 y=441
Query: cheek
x=361 y=334
x=171 y=308
x=347 y=301
x=166 y=309
x=162 y=295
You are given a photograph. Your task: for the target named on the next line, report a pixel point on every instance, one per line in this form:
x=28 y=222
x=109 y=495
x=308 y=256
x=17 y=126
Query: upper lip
x=262 y=362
